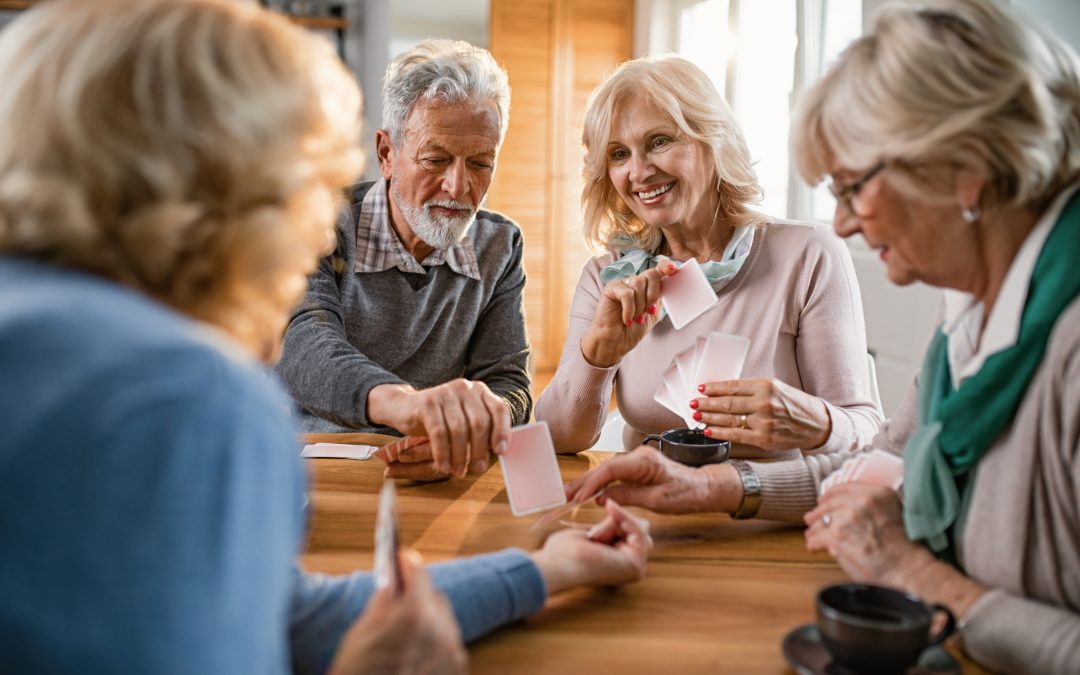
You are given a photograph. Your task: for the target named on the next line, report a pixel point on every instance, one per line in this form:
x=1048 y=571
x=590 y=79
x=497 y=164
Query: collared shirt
x=378 y=247
x=969 y=344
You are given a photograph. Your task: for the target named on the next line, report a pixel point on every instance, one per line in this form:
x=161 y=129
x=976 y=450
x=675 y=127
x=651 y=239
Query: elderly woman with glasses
x=952 y=131
x=668 y=177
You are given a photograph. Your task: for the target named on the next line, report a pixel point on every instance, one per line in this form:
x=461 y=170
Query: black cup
x=690 y=446
x=873 y=629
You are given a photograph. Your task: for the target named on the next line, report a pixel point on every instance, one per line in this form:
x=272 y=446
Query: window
x=761 y=54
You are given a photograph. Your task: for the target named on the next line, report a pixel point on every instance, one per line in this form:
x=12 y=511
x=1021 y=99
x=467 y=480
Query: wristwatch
x=751 y=486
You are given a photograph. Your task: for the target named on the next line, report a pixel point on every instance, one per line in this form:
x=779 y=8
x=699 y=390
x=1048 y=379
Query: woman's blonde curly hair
x=190 y=149
x=684 y=92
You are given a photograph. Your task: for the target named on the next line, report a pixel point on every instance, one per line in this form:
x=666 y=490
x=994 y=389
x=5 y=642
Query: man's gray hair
x=443 y=71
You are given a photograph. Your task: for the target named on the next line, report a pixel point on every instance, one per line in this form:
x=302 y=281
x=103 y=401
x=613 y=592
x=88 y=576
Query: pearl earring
x=972 y=215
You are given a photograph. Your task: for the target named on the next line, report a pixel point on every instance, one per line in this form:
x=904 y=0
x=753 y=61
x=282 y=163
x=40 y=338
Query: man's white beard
x=437 y=231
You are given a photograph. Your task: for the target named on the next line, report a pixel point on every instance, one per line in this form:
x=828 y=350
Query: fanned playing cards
x=712 y=358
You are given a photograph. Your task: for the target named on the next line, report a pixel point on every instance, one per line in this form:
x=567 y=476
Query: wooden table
x=719 y=595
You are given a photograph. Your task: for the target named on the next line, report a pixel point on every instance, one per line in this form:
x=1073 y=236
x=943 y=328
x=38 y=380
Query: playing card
x=387 y=563
x=880 y=468
x=663 y=394
x=686 y=388
x=682 y=407
x=338 y=451
x=687 y=294
x=531 y=471
x=722 y=358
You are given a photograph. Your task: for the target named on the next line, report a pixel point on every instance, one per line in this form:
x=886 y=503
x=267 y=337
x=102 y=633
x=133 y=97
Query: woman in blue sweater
x=167 y=181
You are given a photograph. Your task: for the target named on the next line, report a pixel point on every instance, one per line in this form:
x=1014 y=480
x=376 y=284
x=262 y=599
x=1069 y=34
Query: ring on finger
x=742 y=422
x=626 y=280
x=826 y=520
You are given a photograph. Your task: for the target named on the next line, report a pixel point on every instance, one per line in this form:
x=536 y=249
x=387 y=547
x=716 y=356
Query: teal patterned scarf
x=957 y=426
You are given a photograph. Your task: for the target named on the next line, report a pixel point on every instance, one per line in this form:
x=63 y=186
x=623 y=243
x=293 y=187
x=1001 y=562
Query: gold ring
x=626 y=281
x=826 y=520
x=742 y=422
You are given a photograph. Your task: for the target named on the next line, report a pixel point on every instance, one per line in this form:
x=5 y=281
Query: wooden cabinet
x=556 y=52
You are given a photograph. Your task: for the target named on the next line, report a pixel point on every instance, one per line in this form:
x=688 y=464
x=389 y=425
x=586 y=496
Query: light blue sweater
x=150 y=499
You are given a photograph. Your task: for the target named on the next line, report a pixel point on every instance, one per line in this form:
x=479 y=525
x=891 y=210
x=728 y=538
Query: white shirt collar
x=968 y=350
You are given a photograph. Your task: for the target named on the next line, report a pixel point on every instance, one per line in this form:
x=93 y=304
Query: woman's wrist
x=556 y=574
x=724 y=488
x=598 y=353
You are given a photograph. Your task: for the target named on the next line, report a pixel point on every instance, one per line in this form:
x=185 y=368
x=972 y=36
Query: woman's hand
x=626 y=312
x=411 y=632
x=612 y=553
x=765 y=413
x=647 y=478
x=862 y=527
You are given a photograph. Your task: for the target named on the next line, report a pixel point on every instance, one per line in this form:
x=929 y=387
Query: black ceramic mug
x=874 y=629
x=690 y=446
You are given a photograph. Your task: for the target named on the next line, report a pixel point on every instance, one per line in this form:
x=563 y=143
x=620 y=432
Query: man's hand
x=416 y=462
x=462 y=420
x=414 y=632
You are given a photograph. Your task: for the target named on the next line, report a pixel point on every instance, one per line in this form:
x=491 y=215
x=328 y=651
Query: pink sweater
x=796 y=299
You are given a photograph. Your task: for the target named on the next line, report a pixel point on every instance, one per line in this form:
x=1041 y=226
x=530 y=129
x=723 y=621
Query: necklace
x=709 y=255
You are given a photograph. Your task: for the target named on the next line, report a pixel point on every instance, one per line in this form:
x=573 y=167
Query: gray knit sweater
x=356 y=331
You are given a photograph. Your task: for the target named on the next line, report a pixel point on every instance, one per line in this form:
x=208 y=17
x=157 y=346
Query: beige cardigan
x=1022 y=534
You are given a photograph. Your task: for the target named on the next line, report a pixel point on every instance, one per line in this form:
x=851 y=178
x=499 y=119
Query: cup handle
x=947 y=629
x=652 y=437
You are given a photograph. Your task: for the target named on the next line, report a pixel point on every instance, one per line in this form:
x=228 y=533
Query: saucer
x=806 y=653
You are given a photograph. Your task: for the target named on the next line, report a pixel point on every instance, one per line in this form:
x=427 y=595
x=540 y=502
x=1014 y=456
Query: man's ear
x=384 y=151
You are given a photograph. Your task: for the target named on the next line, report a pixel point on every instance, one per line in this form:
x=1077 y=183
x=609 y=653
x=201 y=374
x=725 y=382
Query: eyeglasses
x=846 y=194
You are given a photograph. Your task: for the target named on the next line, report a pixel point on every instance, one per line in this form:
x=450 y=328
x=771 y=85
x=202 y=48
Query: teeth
x=657 y=192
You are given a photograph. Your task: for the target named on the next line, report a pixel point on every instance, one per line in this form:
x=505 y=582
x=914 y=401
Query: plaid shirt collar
x=378 y=247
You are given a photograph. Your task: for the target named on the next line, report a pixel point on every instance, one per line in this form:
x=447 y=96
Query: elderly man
x=415 y=323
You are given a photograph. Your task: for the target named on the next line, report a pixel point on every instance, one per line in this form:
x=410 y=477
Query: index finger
x=626 y=467
x=728 y=388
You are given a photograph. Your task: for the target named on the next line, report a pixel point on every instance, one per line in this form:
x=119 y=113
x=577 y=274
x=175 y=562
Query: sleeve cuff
x=787 y=490
x=842 y=436
x=488 y=591
x=1018 y=635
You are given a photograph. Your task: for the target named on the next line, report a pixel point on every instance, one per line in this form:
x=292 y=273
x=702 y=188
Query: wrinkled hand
x=647 y=478
x=627 y=310
x=612 y=553
x=778 y=416
x=417 y=463
x=414 y=632
x=865 y=533
x=462 y=419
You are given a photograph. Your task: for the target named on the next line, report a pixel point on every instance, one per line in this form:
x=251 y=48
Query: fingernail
x=629 y=322
x=500 y=449
x=697 y=415
x=701 y=388
x=707 y=432
x=651 y=309
x=672 y=269
x=479 y=466
x=694 y=404
x=640 y=318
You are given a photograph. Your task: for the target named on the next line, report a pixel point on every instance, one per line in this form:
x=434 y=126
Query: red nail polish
x=640 y=318
x=701 y=388
x=629 y=322
x=707 y=432
x=694 y=404
x=651 y=309
x=697 y=415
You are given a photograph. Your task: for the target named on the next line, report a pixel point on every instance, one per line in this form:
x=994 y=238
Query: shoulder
x=492 y=227
x=1063 y=349
x=802 y=239
x=112 y=353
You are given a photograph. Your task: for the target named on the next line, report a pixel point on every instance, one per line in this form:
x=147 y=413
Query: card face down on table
x=531 y=470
